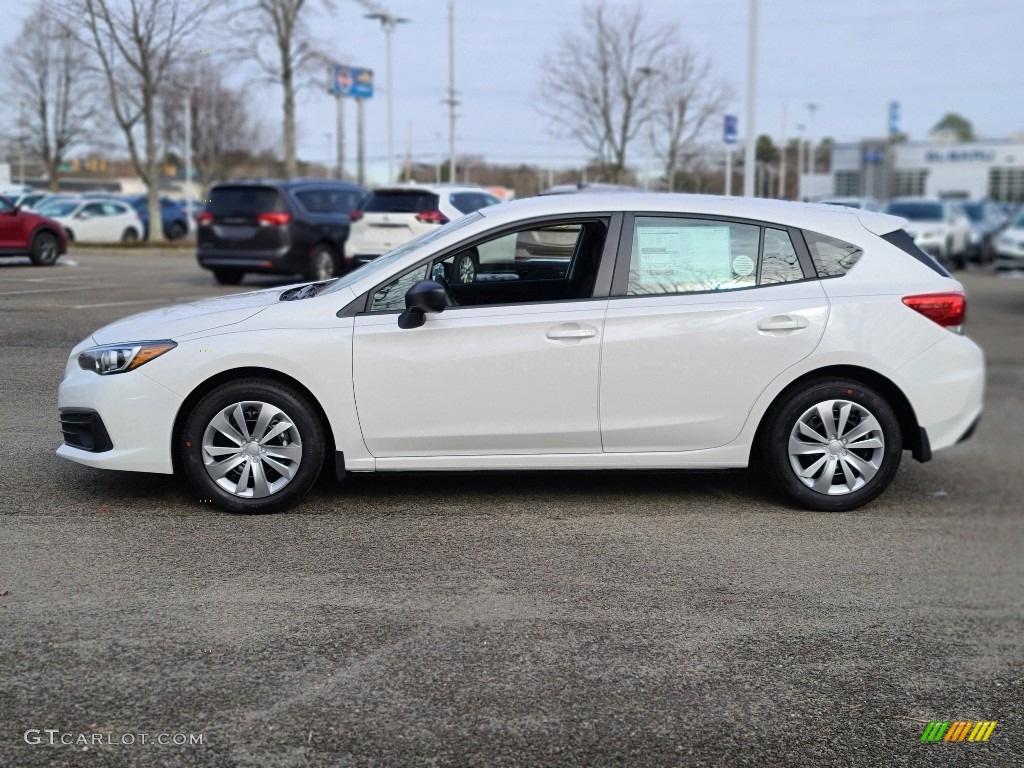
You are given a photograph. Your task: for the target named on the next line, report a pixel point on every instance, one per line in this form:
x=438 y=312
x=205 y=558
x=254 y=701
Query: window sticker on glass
x=684 y=254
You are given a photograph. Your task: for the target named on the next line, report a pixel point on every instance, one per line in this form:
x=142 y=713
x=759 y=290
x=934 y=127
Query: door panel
x=681 y=372
x=481 y=380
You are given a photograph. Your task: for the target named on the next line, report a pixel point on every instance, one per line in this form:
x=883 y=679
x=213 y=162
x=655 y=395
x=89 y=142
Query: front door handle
x=571 y=331
x=783 y=323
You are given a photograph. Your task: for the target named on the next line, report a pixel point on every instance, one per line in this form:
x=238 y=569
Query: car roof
x=288 y=184
x=785 y=212
x=429 y=188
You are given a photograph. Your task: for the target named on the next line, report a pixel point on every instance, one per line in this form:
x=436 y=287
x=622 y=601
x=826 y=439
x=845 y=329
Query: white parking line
x=58 y=290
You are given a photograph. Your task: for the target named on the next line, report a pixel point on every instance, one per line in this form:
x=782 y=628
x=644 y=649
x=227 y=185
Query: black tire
x=130 y=235
x=45 y=249
x=464 y=268
x=323 y=264
x=775 y=445
x=228 y=276
x=176 y=231
x=253 y=390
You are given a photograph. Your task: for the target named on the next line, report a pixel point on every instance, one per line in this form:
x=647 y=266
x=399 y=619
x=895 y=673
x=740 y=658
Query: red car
x=23 y=233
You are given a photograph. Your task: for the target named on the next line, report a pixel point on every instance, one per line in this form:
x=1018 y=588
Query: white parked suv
x=940 y=227
x=815 y=343
x=391 y=216
x=1009 y=245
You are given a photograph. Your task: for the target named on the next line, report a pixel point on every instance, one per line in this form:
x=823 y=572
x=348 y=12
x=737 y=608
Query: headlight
x=119 y=358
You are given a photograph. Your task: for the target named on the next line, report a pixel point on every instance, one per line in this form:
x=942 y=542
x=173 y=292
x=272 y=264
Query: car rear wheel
x=253 y=446
x=45 y=249
x=464 y=269
x=323 y=265
x=176 y=231
x=832 y=445
x=228 y=276
x=130 y=235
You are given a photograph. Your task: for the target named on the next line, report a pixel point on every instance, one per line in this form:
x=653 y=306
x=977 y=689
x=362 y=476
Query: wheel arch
x=229 y=375
x=913 y=436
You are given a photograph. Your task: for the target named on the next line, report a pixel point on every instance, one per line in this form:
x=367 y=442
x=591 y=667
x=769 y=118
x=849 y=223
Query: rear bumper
x=946 y=387
x=285 y=260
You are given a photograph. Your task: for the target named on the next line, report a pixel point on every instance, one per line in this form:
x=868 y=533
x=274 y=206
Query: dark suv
x=278 y=227
x=23 y=233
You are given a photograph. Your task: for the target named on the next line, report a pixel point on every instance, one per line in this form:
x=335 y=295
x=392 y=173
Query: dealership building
x=972 y=170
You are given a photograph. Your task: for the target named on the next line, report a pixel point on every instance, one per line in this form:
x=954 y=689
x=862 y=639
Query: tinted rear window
x=238 y=201
x=395 y=201
x=467 y=202
x=903 y=240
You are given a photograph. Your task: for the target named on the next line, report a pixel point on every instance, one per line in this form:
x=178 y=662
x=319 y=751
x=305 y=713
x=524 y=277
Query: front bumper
x=137 y=415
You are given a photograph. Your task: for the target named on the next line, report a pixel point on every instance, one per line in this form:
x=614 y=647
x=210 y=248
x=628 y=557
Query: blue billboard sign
x=730 y=129
x=894 y=118
x=351 y=81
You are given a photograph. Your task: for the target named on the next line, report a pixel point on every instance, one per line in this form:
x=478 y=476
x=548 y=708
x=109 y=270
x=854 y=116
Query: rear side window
x=401 y=201
x=328 y=200
x=831 y=257
x=779 y=262
x=903 y=240
x=244 y=201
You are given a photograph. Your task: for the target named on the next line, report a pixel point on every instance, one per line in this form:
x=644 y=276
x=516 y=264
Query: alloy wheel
x=467 y=270
x=252 y=449
x=836 y=447
x=323 y=265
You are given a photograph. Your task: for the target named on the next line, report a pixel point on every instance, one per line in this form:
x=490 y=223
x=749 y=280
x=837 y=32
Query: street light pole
x=451 y=100
x=388 y=22
x=749 y=154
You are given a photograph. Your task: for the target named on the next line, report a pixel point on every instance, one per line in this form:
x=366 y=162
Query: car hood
x=181 y=320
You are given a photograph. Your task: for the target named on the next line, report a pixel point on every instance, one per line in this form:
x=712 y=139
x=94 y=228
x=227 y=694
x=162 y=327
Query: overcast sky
x=851 y=58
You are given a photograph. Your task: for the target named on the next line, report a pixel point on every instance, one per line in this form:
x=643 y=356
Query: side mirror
x=425 y=296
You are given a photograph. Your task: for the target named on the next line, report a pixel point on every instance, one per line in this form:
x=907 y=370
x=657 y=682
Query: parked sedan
x=173 y=219
x=939 y=227
x=815 y=343
x=96 y=221
x=1009 y=245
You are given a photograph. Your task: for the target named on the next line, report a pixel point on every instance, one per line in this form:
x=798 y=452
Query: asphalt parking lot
x=496 y=620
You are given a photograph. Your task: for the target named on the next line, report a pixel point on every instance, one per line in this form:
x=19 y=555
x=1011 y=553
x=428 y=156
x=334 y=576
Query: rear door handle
x=783 y=323
x=571 y=331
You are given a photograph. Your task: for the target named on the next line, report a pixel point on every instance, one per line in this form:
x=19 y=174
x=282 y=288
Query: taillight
x=355 y=215
x=946 y=309
x=432 y=217
x=274 y=218
x=205 y=218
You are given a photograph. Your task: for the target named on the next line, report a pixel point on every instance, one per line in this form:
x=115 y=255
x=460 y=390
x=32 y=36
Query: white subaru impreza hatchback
x=665 y=332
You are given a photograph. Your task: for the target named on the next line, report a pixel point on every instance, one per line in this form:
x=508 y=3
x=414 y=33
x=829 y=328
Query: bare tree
x=225 y=133
x=687 y=97
x=276 y=36
x=135 y=43
x=600 y=86
x=46 y=72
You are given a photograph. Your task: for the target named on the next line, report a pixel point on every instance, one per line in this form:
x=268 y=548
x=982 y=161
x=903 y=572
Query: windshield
x=916 y=211
x=58 y=209
x=381 y=263
x=975 y=211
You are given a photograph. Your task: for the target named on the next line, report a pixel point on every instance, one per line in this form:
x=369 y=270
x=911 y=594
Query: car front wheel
x=252 y=446
x=833 y=445
x=45 y=249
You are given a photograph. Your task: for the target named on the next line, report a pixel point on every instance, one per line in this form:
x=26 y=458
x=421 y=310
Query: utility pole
x=811 y=160
x=749 y=154
x=800 y=161
x=782 y=156
x=388 y=22
x=340 y=136
x=361 y=141
x=451 y=101
x=189 y=193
